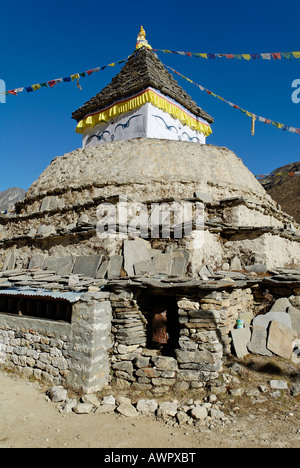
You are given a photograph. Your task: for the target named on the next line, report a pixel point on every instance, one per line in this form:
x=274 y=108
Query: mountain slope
x=285 y=189
x=9 y=197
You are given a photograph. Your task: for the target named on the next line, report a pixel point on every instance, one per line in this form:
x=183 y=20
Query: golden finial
x=142 y=34
x=141 y=39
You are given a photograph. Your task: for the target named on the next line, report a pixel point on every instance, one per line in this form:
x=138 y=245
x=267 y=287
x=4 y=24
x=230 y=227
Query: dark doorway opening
x=162 y=316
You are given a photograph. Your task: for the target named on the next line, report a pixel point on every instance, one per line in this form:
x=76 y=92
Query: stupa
x=85 y=291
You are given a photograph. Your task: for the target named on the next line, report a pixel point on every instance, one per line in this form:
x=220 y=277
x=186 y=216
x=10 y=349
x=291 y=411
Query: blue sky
x=41 y=41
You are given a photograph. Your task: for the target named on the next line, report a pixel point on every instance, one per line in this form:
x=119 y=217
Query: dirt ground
x=28 y=420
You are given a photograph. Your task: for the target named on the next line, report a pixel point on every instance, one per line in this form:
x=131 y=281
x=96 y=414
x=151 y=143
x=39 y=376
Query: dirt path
x=27 y=420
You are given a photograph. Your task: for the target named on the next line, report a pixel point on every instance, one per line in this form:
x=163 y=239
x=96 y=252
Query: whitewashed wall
x=147 y=121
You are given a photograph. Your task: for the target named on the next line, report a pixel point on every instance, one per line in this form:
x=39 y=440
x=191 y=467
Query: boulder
x=57 y=394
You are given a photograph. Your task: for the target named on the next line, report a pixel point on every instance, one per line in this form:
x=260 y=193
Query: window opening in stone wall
x=42 y=308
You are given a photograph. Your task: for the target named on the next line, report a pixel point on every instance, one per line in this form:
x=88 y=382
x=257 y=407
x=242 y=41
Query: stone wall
x=205 y=323
x=75 y=354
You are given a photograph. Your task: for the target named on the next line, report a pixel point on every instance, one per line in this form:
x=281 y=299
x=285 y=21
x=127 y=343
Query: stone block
x=102 y=271
x=199 y=412
x=114 y=266
x=167 y=409
x=83 y=408
x=36 y=260
x=235 y=264
x=146 y=267
x=87 y=265
x=57 y=394
x=258 y=343
x=278 y=384
x=240 y=339
x=60 y=265
x=49 y=203
x=179 y=265
x=281 y=339
x=163 y=263
x=165 y=363
x=257 y=268
x=281 y=305
x=127 y=410
x=134 y=251
x=264 y=320
x=204 y=197
x=295 y=319
x=46 y=231
x=10 y=262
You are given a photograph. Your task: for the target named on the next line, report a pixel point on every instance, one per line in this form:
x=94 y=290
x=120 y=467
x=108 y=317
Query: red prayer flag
x=51 y=83
x=12 y=91
x=276 y=56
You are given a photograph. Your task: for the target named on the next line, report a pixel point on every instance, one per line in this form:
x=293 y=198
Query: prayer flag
x=276 y=56
x=287 y=55
x=246 y=56
x=266 y=56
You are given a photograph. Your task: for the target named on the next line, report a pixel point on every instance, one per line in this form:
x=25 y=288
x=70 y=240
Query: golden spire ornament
x=141 y=40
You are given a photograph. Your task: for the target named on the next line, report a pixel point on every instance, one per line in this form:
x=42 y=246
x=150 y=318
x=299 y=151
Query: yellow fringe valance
x=157 y=100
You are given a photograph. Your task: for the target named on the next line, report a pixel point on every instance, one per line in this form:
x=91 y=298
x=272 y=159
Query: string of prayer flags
x=66 y=79
x=263 y=176
x=263 y=56
x=254 y=117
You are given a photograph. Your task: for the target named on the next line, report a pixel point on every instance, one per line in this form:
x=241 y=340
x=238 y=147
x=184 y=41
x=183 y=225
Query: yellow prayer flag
x=253 y=125
x=203 y=55
x=296 y=54
x=246 y=56
x=35 y=87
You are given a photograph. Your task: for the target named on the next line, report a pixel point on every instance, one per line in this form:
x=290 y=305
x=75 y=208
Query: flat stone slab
x=281 y=339
x=61 y=265
x=114 y=266
x=179 y=265
x=144 y=267
x=295 y=318
x=240 y=339
x=258 y=343
x=134 y=251
x=281 y=305
x=87 y=265
x=264 y=320
x=163 y=263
